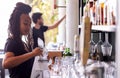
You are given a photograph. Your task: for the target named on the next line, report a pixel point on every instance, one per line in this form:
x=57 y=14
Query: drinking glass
x=45 y=52
x=106 y=48
x=98 y=48
x=92 y=45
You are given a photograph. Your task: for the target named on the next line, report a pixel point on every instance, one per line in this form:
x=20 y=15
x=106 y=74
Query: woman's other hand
x=37 y=51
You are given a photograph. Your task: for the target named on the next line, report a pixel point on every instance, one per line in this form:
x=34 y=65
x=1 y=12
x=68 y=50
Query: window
x=6 y=7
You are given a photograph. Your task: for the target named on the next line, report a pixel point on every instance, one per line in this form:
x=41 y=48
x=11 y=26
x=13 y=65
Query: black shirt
x=23 y=70
x=38 y=33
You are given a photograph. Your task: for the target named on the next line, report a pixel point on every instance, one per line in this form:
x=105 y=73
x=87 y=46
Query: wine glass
x=106 y=48
x=92 y=45
x=40 y=43
x=98 y=48
x=45 y=52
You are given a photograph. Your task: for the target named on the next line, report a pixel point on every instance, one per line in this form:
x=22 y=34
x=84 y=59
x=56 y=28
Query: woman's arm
x=11 y=60
x=56 y=24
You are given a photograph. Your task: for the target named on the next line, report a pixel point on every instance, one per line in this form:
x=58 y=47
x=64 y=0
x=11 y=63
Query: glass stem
x=106 y=37
x=91 y=36
x=100 y=36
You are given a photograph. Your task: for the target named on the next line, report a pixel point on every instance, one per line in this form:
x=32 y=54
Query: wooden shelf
x=103 y=28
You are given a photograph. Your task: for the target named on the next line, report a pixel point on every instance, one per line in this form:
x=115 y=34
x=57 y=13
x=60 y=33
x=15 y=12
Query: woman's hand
x=37 y=51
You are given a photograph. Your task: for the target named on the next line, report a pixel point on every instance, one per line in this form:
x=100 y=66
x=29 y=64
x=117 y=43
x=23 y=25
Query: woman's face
x=25 y=24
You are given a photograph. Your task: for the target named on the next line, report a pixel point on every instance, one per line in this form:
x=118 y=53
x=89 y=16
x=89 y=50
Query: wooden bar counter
x=54 y=53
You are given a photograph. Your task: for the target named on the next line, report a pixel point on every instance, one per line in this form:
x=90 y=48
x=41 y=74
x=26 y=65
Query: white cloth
x=38 y=68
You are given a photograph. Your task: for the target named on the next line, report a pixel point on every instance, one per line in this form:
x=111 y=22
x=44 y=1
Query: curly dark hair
x=14 y=21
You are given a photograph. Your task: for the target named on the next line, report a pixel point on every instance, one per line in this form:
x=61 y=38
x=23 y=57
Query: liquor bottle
x=102 y=12
x=97 y=12
x=106 y=12
x=113 y=17
x=94 y=13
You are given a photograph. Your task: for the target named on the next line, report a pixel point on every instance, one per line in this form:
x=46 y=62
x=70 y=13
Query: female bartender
x=18 y=54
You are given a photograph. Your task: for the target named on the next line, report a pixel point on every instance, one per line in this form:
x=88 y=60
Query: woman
x=18 y=55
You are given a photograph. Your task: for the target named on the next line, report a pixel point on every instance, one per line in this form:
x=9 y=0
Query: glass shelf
x=103 y=28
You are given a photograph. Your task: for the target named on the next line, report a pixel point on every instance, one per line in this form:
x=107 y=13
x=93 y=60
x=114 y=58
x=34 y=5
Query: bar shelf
x=103 y=28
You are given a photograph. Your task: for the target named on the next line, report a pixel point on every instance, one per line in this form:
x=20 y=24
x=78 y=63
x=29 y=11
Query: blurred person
x=19 y=55
x=39 y=28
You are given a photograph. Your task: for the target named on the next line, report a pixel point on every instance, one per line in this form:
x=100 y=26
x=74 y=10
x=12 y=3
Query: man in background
x=39 y=28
